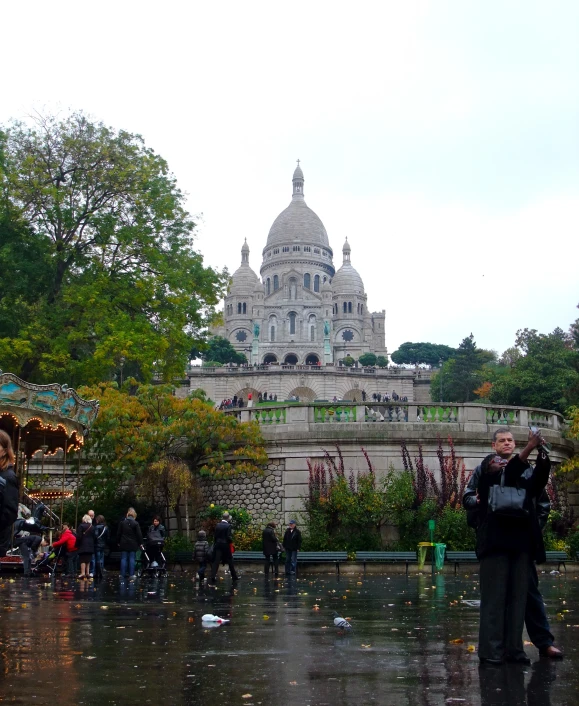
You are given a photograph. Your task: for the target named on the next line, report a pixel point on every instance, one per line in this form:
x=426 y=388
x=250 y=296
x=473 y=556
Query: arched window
x=272 y=327
x=293 y=288
x=307 y=281
x=312 y=333
x=239 y=308
x=317 y=283
x=345 y=308
x=268 y=286
x=361 y=308
x=349 y=307
x=275 y=283
x=292 y=316
x=244 y=308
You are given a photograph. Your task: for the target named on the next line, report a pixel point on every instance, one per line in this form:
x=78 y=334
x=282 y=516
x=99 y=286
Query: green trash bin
x=439 y=552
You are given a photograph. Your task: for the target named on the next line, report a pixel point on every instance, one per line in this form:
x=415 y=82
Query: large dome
x=297 y=222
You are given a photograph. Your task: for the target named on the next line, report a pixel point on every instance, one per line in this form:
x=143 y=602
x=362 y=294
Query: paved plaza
x=413 y=642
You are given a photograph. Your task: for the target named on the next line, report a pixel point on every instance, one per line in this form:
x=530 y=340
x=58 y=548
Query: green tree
x=107 y=228
x=382 y=361
x=153 y=440
x=368 y=359
x=219 y=350
x=545 y=374
x=348 y=361
x=422 y=353
x=462 y=374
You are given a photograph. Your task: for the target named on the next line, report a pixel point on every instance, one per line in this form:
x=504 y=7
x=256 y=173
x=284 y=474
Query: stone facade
x=301 y=311
x=261 y=495
x=309 y=383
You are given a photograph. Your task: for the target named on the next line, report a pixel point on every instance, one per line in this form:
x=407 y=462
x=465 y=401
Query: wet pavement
x=412 y=642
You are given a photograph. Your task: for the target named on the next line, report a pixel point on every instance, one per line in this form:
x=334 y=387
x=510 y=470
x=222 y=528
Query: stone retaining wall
x=261 y=495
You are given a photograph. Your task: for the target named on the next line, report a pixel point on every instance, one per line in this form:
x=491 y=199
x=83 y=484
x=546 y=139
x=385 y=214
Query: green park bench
x=241 y=555
x=387 y=557
x=557 y=558
x=461 y=558
x=323 y=557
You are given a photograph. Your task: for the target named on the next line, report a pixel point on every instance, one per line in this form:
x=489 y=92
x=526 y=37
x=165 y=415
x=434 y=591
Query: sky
x=442 y=138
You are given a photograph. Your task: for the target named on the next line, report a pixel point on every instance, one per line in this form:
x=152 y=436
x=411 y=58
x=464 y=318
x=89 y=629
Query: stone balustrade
x=453 y=414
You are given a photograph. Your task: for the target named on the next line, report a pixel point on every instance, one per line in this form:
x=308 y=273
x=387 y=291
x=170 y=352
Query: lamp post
x=440 y=376
x=121 y=363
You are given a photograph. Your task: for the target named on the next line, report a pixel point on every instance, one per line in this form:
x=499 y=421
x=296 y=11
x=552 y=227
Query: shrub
x=367 y=359
x=573 y=544
x=211 y=515
x=342 y=512
x=382 y=361
x=348 y=361
x=177 y=543
x=453 y=530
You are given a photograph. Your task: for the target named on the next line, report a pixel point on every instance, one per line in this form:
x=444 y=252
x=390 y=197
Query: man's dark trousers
x=223 y=553
x=535 y=615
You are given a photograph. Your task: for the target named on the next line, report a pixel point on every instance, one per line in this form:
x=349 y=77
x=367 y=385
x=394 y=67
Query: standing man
x=222 y=548
x=292 y=543
x=536 y=620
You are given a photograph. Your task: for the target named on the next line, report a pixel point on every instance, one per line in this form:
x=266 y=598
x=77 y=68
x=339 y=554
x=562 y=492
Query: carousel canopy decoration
x=50 y=416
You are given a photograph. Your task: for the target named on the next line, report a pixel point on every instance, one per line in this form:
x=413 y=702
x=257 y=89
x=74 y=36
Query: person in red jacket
x=67 y=541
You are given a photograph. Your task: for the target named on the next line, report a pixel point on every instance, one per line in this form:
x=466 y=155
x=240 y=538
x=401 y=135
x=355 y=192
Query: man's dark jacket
x=470 y=504
x=269 y=541
x=292 y=541
x=223 y=533
x=498 y=533
x=8 y=497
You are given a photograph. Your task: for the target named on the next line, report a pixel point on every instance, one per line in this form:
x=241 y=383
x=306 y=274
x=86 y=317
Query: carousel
x=48 y=425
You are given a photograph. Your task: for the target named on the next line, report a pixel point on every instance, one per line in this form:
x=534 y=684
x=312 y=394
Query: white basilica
x=301 y=311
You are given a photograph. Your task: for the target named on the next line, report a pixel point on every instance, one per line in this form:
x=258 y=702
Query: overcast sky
x=441 y=137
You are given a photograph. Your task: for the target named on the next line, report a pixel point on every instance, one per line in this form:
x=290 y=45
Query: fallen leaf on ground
x=366 y=647
x=458 y=641
x=246 y=696
x=293 y=683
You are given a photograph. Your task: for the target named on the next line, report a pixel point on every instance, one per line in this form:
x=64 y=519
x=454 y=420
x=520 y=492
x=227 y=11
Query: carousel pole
x=63 y=478
x=77 y=485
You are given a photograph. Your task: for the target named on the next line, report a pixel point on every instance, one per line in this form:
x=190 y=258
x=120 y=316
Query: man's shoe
x=552 y=652
x=492 y=662
x=518 y=659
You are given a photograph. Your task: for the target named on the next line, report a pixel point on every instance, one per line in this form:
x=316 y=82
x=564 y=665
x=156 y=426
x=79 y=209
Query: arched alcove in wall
x=305 y=394
x=290 y=359
x=312 y=359
x=353 y=395
x=270 y=358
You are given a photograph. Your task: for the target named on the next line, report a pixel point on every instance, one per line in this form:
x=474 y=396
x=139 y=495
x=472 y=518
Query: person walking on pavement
x=536 y=620
x=271 y=549
x=222 y=548
x=292 y=543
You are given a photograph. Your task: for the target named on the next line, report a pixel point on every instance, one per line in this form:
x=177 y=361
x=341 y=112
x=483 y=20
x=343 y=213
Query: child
x=200 y=554
x=67 y=541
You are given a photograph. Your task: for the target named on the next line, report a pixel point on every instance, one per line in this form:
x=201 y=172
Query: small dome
x=244 y=279
x=298 y=174
x=347 y=281
x=258 y=287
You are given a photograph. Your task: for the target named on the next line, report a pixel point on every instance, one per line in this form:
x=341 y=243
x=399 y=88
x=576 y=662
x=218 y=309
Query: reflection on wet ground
x=412 y=642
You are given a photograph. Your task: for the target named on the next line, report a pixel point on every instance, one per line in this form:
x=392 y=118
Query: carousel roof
x=52 y=406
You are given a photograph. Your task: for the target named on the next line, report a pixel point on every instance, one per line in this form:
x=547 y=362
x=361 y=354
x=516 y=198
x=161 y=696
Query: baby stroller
x=48 y=563
x=151 y=564
x=152 y=560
